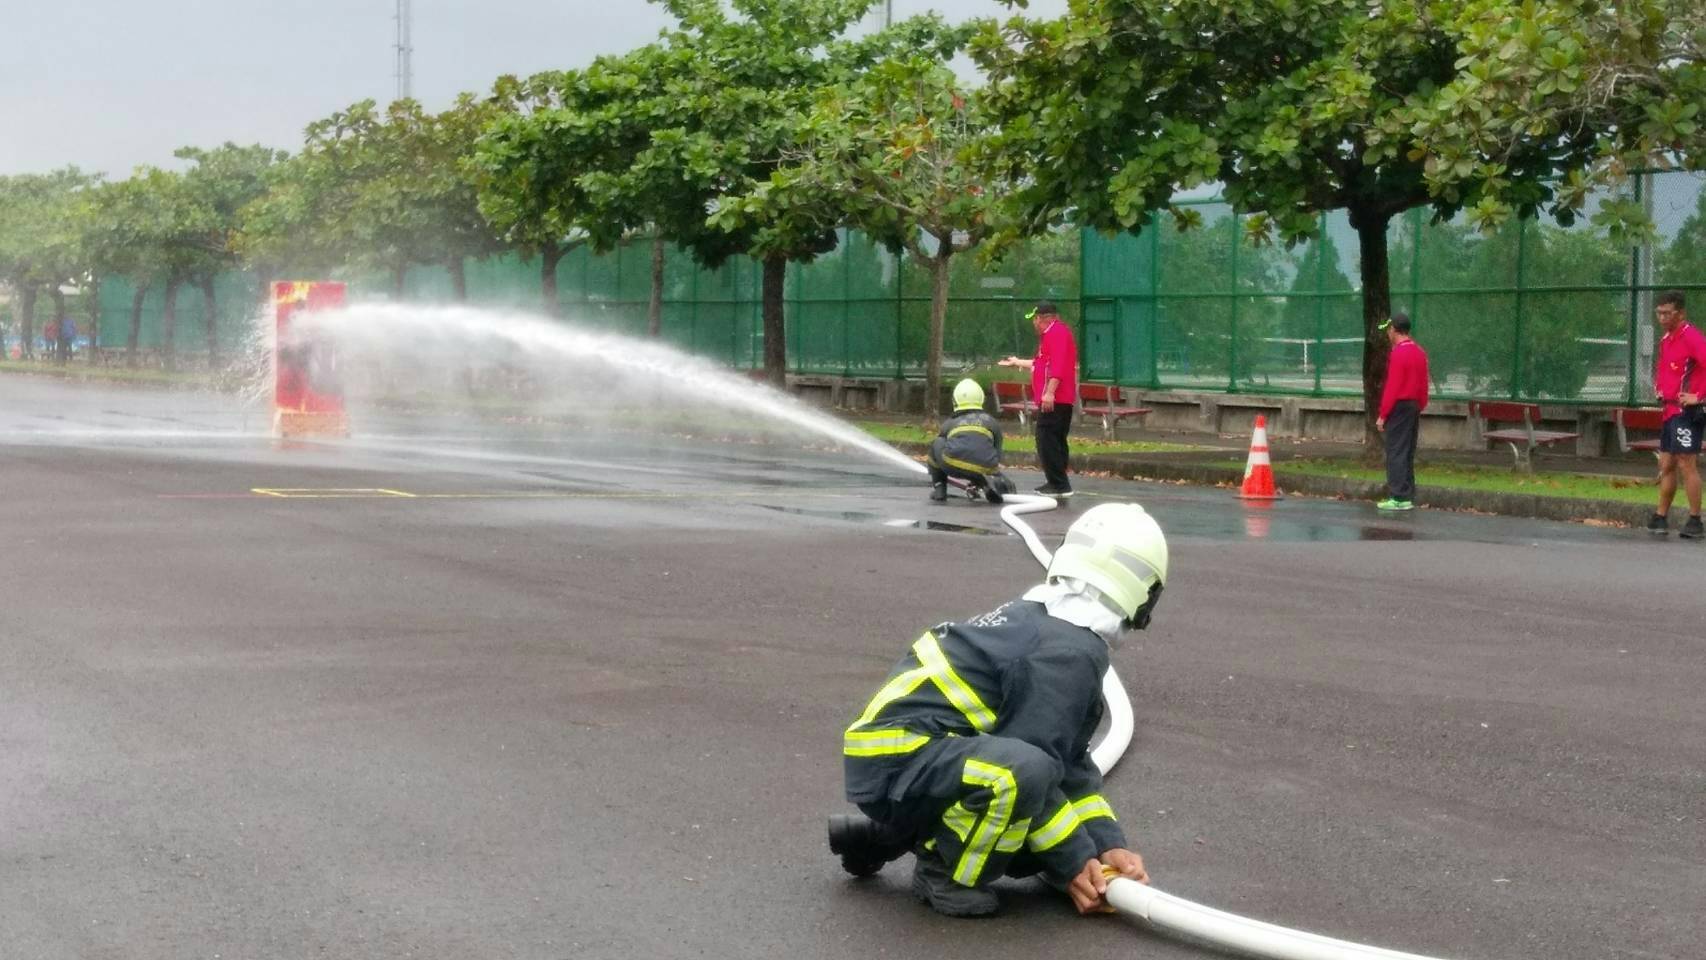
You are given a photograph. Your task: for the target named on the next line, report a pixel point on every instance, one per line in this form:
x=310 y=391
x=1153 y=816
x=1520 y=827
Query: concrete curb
x=1138 y=467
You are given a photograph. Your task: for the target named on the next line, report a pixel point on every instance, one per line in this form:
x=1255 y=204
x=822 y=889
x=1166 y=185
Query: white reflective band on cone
x=1163 y=911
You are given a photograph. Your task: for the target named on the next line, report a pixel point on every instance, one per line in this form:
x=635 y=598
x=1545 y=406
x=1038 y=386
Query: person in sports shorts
x=1679 y=379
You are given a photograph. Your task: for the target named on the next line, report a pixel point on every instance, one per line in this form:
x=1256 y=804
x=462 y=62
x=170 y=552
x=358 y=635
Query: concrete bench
x=1106 y=402
x=1522 y=441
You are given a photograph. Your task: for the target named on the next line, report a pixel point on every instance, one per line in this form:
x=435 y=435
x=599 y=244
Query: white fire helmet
x=1119 y=549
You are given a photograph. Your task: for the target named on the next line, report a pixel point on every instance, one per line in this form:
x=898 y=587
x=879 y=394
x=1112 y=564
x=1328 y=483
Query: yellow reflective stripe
x=1055 y=831
x=960 y=820
x=967 y=465
x=879 y=743
x=971 y=428
x=896 y=688
x=1014 y=839
x=994 y=823
x=956 y=690
x=1093 y=806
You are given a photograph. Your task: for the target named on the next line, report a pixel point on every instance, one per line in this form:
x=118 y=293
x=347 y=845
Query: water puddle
x=859 y=516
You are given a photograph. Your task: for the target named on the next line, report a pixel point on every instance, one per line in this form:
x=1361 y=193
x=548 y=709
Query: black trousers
x=1052 y=428
x=1402 y=426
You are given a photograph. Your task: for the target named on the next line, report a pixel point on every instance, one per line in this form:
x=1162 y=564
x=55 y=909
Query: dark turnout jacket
x=1014 y=672
x=969 y=441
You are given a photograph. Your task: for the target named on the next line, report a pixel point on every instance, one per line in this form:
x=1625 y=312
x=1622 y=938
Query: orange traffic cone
x=1259 y=470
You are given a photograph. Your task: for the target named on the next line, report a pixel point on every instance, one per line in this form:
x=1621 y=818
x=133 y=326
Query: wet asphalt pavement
x=453 y=690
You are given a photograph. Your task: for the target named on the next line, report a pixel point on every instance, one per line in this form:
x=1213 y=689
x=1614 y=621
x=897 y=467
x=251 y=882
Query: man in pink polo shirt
x=1402 y=401
x=1679 y=379
x=1054 y=387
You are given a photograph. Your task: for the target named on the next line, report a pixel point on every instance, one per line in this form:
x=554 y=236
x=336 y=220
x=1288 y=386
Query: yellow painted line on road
x=329 y=493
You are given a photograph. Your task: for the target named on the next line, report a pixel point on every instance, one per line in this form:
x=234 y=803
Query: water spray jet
x=592 y=373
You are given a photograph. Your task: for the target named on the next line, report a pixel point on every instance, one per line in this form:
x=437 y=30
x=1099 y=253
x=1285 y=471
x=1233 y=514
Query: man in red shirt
x=1054 y=387
x=1401 y=406
x=1679 y=379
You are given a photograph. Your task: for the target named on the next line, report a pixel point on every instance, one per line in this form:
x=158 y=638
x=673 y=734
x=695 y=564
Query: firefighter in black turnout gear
x=974 y=755
x=968 y=448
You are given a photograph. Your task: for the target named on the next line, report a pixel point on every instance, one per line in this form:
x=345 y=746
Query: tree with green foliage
x=183 y=248
x=896 y=147
x=557 y=168
x=380 y=189
x=1592 y=90
x=125 y=224
x=218 y=185
x=40 y=244
x=1111 y=108
x=526 y=167
x=723 y=99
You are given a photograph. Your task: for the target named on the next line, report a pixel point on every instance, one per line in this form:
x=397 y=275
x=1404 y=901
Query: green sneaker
x=1390 y=504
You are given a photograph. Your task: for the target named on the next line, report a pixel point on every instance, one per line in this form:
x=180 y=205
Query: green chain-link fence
x=1535 y=310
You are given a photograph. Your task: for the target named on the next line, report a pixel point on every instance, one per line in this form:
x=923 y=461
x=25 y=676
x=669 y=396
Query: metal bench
x=1522 y=442
x=1012 y=396
x=1637 y=418
x=1104 y=401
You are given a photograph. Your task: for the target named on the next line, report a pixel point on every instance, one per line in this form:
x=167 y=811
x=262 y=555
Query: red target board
x=308 y=396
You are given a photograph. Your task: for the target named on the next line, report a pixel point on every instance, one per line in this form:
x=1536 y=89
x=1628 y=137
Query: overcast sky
x=110 y=84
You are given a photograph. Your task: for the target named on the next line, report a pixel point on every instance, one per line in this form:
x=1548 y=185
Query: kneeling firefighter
x=968 y=447
x=974 y=755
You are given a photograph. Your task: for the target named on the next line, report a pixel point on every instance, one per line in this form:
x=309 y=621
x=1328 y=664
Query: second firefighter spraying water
x=968 y=448
x=974 y=754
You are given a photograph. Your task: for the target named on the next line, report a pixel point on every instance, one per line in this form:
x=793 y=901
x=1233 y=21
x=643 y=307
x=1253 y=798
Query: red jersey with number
x=1681 y=366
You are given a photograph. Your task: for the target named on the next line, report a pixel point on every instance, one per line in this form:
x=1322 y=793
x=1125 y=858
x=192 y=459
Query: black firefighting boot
x=863 y=844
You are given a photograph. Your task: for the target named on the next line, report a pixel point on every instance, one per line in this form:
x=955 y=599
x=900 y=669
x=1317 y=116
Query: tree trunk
x=1376 y=308
x=62 y=349
x=550 y=255
x=136 y=299
x=63 y=353
x=210 y=313
x=775 y=329
x=399 y=277
x=654 y=316
x=169 y=326
x=27 y=294
x=938 y=321
x=94 y=320
x=458 y=279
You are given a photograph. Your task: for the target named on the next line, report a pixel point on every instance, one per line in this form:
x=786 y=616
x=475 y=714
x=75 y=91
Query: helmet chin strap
x=1081 y=604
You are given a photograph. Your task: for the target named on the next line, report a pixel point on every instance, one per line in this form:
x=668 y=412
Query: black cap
x=1046 y=308
x=1399 y=322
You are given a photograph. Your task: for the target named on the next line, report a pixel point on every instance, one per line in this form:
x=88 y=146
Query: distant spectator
x=1679 y=379
x=1401 y=404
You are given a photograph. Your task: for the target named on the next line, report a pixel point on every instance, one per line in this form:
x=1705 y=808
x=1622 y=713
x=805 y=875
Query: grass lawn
x=1496 y=479
x=1023 y=443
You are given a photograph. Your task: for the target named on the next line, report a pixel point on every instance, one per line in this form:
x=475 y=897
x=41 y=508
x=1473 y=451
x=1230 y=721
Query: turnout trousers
x=974 y=801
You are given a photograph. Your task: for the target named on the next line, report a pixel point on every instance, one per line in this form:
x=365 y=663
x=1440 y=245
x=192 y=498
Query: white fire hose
x=1163 y=911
